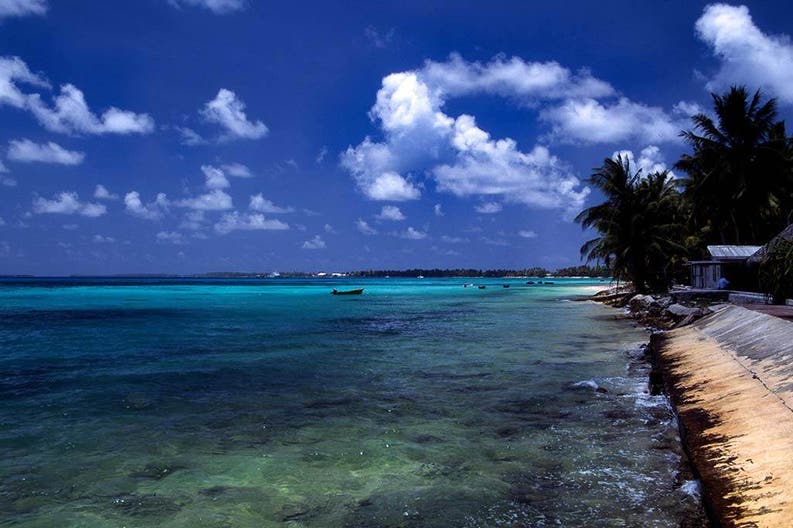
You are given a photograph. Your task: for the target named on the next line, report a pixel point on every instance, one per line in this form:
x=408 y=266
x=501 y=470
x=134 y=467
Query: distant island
x=572 y=271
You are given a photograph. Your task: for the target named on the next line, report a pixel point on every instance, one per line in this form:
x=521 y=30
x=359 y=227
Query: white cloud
x=748 y=56
x=488 y=208
x=438 y=210
x=364 y=228
x=3 y=168
x=9 y=8
x=229 y=112
x=26 y=151
x=390 y=212
x=67 y=203
x=248 y=222
x=413 y=234
x=214 y=200
x=322 y=153
x=453 y=240
x=462 y=158
x=218 y=7
x=512 y=77
x=193 y=220
x=99 y=239
x=650 y=160
x=190 y=137
x=71 y=114
x=101 y=193
x=329 y=229
x=13 y=70
x=590 y=121
x=263 y=205
x=214 y=177
x=314 y=243
x=170 y=237
x=238 y=170
x=151 y=211
x=527 y=233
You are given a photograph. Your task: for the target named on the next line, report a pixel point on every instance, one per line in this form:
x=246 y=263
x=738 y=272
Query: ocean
x=258 y=403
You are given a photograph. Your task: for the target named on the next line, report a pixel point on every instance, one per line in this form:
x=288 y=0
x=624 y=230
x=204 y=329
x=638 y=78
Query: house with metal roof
x=730 y=262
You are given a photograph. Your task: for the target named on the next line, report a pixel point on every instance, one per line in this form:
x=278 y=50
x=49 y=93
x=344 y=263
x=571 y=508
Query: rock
x=640 y=302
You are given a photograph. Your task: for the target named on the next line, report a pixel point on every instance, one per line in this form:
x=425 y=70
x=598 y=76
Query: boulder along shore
x=728 y=373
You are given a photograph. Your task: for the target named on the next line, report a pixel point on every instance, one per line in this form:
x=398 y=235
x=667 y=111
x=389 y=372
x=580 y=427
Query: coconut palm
x=738 y=180
x=638 y=224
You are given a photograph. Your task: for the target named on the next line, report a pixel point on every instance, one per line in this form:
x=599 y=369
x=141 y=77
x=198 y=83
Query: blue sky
x=184 y=136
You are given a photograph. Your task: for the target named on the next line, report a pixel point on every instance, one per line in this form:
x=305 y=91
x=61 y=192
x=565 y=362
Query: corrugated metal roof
x=733 y=252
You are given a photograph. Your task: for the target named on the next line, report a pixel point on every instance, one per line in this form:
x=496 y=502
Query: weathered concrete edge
x=753 y=351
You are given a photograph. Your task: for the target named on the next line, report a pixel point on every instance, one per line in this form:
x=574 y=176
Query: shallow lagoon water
x=272 y=403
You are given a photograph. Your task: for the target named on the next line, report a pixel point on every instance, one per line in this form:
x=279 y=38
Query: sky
x=188 y=136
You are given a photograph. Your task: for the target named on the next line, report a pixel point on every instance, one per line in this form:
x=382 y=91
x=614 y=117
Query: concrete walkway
x=730 y=376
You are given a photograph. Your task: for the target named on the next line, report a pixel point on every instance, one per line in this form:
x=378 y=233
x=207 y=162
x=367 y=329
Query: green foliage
x=776 y=271
x=739 y=177
x=639 y=225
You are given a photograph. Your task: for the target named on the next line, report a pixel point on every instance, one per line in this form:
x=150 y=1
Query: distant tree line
x=737 y=188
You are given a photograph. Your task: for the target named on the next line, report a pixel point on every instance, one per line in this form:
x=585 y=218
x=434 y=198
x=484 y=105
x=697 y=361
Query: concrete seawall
x=730 y=376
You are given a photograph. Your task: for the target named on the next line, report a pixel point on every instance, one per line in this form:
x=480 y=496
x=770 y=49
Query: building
x=730 y=262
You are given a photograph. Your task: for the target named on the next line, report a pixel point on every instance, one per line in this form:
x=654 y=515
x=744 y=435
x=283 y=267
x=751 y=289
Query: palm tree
x=739 y=182
x=637 y=224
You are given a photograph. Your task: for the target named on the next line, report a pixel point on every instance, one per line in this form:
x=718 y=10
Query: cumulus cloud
x=527 y=233
x=263 y=205
x=193 y=220
x=154 y=210
x=364 y=228
x=512 y=77
x=214 y=177
x=390 y=212
x=190 y=137
x=314 y=243
x=650 y=160
x=413 y=234
x=100 y=239
x=70 y=114
x=67 y=203
x=461 y=157
x=238 y=170
x=329 y=229
x=14 y=71
x=438 y=210
x=590 y=121
x=214 y=200
x=218 y=7
x=488 y=208
x=453 y=239
x=748 y=56
x=228 y=111
x=235 y=221
x=101 y=193
x=9 y=8
x=169 y=237
x=26 y=151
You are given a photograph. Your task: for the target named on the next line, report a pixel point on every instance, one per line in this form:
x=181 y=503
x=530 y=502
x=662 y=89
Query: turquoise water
x=272 y=403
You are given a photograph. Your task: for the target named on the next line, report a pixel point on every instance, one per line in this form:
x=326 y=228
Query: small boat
x=506 y=285
x=529 y=282
x=347 y=292
x=469 y=285
x=420 y=277
x=482 y=287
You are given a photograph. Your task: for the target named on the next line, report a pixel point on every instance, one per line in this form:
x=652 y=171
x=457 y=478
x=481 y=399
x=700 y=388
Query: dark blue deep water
x=264 y=403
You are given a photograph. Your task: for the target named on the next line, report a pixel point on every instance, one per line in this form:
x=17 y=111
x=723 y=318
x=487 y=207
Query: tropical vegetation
x=737 y=188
